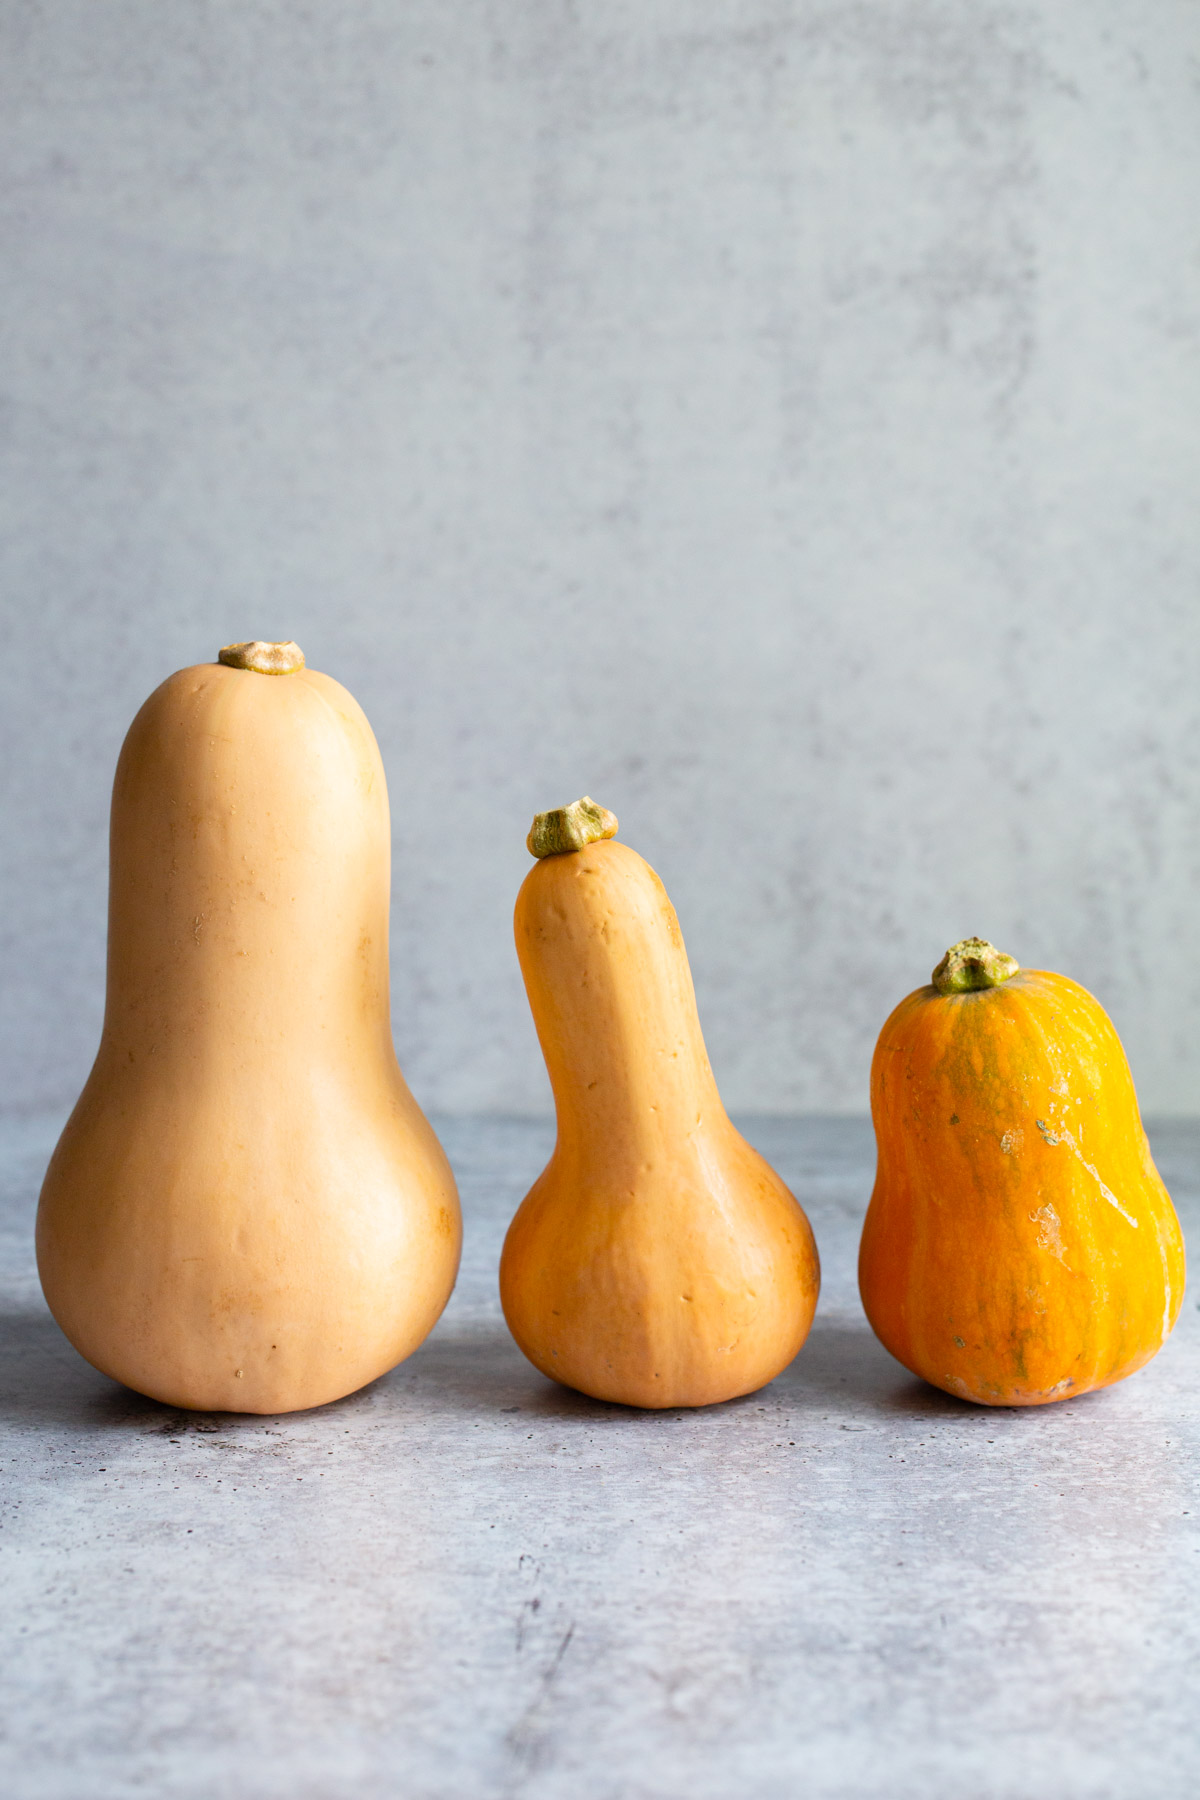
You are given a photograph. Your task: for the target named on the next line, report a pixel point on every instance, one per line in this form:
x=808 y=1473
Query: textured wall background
x=779 y=419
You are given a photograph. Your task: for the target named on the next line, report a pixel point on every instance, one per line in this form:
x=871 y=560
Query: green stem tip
x=970 y=964
x=570 y=828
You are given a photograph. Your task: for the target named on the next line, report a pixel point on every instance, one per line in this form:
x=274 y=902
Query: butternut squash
x=658 y=1260
x=1020 y=1246
x=247 y=1210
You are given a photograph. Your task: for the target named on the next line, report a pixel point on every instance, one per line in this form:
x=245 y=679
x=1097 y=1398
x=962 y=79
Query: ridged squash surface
x=1020 y=1246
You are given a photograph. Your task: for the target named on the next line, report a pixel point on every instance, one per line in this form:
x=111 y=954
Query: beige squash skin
x=658 y=1260
x=247 y=1210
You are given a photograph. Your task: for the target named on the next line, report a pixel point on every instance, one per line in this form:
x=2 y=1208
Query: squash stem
x=971 y=964
x=264 y=658
x=570 y=828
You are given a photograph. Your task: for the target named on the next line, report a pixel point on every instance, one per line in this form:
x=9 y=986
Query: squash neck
x=631 y=1126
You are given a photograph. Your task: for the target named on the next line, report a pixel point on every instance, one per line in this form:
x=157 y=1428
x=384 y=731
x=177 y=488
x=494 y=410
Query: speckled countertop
x=466 y=1582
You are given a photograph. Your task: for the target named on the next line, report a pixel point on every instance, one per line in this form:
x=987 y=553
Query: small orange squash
x=247 y=1210
x=1020 y=1246
x=658 y=1260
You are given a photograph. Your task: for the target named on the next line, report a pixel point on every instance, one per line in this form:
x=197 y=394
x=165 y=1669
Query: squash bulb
x=247 y=1210
x=1020 y=1246
x=658 y=1260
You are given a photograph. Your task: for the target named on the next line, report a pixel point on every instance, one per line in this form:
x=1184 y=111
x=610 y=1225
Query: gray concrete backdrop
x=778 y=419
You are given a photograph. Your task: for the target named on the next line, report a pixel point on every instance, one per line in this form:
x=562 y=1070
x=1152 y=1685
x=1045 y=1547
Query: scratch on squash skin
x=1050 y=1232
x=1061 y=1134
x=1167 y=1292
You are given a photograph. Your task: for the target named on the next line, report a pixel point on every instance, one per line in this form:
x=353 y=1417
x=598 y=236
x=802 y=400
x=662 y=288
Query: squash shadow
x=46 y=1383
x=44 y=1380
x=464 y=1367
x=472 y=1367
x=842 y=1367
x=468 y=1367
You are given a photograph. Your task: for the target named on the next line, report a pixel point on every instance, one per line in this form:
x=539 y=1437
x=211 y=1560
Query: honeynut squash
x=1020 y=1246
x=658 y=1260
x=247 y=1210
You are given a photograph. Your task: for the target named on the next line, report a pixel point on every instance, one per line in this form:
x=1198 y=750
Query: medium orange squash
x=247 y=1210
x=658 y=1260
x=1020 y=1246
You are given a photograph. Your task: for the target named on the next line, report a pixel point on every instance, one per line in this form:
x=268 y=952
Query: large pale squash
x=247 y=1210
x=1020 y=1246
x=658 y=1260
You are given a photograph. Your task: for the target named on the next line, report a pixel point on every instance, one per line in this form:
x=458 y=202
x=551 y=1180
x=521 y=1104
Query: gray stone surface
x=740 y=410
x=465 y=1582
